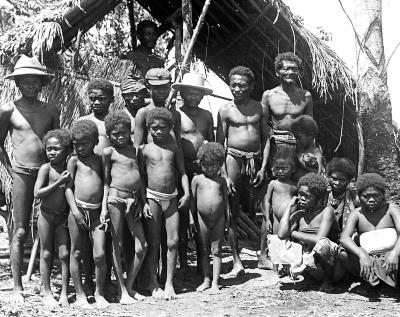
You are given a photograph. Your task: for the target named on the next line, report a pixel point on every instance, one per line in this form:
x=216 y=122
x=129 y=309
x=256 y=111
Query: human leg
x=205 y=254
x=183 y=237
x=154 y=228
x=46 y=230
x=22 y=199
x=264 y=263
x=217 y=237
x=172 y=228
x=62 y=243
x=75 y=257
x=140 y=243
x=116 y=212
x=233 y=169
x=99 y=258
x=88 y=264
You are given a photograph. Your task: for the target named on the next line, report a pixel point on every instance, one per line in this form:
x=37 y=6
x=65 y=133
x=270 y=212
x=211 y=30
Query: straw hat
x=28 y=66
x=193 y=80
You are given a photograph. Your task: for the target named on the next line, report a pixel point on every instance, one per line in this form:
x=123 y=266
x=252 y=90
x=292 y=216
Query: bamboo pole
x=34 y=250
x=131 y=15
x=187 y=28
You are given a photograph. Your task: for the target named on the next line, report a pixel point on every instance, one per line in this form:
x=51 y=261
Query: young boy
x=279 y=194
x=161 y=161
x=122 y=186
x=50 y=188
x=210 y=201
x=84 y=194
x=377 y=224
x=310 y=156
x=307 y=221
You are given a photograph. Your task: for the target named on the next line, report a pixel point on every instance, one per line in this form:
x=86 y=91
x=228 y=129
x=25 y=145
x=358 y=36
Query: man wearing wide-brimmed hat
x=196 y=127
x=27 y=119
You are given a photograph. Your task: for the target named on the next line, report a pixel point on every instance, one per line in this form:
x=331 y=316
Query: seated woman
x=341 y=199
x=308 y=222
x=310 y=156
x=374 y=253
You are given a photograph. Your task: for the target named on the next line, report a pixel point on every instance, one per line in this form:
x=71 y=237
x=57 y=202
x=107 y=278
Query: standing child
x=84 y=194
x=310 y=156
x=160 y=160
x=279 y=193
x=121 y=196
x=50 y=188
x=210 y=201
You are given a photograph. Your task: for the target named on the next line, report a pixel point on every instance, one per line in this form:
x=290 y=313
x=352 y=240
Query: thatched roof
x=246 y=32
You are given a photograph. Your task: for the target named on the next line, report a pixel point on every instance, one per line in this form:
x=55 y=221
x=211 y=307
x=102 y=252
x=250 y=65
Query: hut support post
x=187 y=28
x=131 y=15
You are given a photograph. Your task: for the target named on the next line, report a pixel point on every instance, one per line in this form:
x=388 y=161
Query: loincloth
x=162 y=199
x=91 y=212
x=281 y=137
x=131 y=204
x=25 y=170
x=58 y=216
x=249 y=162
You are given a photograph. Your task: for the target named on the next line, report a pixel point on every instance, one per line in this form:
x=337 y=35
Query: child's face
x=210 y=169
x=30 y=86
x=159 y=129
x=83 y=146
x=303 y=139
x=99 y=102
x=120 y=135
x=134 y=100
x=307 y=199
x=339 y=181
x=282 y=169
x=55 y=152
x=371 y=199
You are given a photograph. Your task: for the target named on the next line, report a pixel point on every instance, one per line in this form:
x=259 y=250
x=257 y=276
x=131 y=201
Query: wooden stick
x=242 y=233
x=250 y=223
x=35 y=248
x=187 y=27
x=252 y=235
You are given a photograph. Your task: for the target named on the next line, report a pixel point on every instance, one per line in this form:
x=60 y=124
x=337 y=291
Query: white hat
x=28 y=66
x=193 y=80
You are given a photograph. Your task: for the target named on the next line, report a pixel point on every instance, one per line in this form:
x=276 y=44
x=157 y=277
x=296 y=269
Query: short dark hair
x=316 y=183
x=211 y=152
x=85 y=129
x=102 y=84
x=114 y=118
x=287 y=56
x=243 y=71
x=160 y=113
x=341 y=164
x=285 y=154
x=144 y=24
x=304 y=124
x=62 y=135
x=370 y=180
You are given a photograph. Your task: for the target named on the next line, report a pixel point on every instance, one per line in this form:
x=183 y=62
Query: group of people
x=146 y=173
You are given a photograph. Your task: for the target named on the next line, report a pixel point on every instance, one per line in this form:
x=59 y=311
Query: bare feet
x=63 y=301
x=236 y=271
x=157 y=293
x=49 y=301
x=126 y=299
x=326 y=287
x=82 y=303
x=169 y=292
x=264 y=263
x=17 y=298
x=136 y=295
x=206 y=285
x=101 y=302
x=215 y=289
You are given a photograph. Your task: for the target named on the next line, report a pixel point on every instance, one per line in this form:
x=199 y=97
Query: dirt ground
x=257 y=293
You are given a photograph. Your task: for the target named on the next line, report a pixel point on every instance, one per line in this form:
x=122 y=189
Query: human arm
x=56 y=117
x=227 y=206
x=106 y=162
x=140 y=121
x=265 y=136
x=309 y=105
x=267 y=115
x=184 y=200
x=287 y=225
x=41 y=190
x=267 y=205
x=142 y=168
x=193 y=199
x=69 y=194
x=5 y=115
x=320 y=158
x=348 y=243
x=392 y=258
x=210 y=129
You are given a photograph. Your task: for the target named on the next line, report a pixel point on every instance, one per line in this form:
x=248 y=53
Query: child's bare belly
x=210 y=212
x=89 y=190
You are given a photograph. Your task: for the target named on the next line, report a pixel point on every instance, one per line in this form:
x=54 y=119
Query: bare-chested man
x=196 y=127
x=285 y=102
x=243 y=127
x=27 y=119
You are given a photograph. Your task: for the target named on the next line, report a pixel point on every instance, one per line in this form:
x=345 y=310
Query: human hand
x=183 y=201
x=365 y=265
x=81 y=222
x=147 y=211
x=231 y=186
x=64 y=177
x=228 y=219
x=260 y=176
x=104 y=215
x=293 y=202
x=392 y=262
x=269 y=227
x=192 y=227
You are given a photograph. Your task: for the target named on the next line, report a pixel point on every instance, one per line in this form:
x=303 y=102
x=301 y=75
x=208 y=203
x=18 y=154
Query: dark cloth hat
x=158 y=76
x=130 y=85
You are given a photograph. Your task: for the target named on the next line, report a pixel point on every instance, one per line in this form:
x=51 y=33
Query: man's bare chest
x=39 y=121
x=283 y=104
